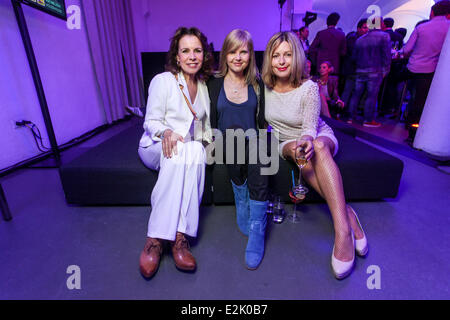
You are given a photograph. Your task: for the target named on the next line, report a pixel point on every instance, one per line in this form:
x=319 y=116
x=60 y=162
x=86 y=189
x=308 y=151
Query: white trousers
x=178 y=192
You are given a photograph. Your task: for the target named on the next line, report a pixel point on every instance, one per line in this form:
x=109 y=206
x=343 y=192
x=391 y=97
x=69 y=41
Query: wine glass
x=294 y=216
x=300 y=190
x=395 y=50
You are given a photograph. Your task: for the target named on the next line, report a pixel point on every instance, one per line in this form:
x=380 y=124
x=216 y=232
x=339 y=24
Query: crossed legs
x=324 y=176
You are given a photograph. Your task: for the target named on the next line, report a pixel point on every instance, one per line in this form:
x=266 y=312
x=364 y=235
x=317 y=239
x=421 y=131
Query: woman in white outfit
x=292 y=108
x=176 y=128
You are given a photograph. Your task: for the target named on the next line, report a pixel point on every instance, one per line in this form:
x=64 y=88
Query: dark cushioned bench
x=368 y=174
x=112 y=173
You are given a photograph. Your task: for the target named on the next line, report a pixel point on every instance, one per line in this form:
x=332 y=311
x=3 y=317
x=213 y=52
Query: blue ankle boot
x=241 y=198
x=257 y=231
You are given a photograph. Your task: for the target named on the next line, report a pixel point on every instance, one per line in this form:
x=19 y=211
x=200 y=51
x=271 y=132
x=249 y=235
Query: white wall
x=67 y=76
x=156 y=20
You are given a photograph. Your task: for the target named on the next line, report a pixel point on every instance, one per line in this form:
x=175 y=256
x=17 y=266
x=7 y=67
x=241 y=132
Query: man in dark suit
x=329 y=44
x=303 y=36
x=389 y=102
x=396 y=38
x=348 y=68
x=402 y=32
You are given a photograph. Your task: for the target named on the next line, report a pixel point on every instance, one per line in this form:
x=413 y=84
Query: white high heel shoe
x=361 y=245
x=342 y=269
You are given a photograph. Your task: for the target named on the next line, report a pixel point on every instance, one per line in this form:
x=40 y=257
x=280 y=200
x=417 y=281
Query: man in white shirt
x=424 y=48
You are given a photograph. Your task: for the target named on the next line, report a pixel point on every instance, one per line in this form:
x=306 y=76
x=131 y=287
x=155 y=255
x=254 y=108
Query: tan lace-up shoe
x=150 y=257
x=184 y=259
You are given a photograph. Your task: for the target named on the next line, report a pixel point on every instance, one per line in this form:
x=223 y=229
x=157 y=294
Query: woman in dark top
x=237 y=103
x=328 y=89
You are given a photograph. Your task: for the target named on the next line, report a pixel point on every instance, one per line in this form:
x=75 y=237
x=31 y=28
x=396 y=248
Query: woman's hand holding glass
x=306 y=145
x=169 y=143
x=302 y=154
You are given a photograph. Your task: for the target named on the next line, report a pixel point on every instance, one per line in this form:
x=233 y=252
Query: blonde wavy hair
x=298 y=59
x=233 y=41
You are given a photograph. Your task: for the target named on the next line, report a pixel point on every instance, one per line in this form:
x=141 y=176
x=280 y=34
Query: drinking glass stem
x=299 y=175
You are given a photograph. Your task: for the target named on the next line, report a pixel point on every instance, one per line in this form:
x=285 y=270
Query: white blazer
x=167 y=109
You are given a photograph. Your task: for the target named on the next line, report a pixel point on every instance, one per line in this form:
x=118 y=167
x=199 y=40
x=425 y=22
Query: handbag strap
x=186 y=99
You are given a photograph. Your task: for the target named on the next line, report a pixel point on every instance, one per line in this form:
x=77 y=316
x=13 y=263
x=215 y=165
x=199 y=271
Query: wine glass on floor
x=294 y=215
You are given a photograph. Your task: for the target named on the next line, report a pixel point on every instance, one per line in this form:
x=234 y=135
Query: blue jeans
x=370 y=83
x=349 y=88
x=350 y=82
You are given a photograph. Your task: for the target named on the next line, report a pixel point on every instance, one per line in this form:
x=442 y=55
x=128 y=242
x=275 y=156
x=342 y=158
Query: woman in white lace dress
x=292 y=109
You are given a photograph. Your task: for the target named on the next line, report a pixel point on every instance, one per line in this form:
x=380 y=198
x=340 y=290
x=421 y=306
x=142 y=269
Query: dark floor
x=390 y=129
x=392 y=135
x=408 y=237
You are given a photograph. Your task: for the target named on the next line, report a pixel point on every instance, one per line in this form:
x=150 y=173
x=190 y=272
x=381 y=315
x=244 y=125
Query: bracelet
x=162 y=134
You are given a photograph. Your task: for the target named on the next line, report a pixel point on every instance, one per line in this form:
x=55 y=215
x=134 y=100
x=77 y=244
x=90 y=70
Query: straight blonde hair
x=233 y=41
x=298 y=59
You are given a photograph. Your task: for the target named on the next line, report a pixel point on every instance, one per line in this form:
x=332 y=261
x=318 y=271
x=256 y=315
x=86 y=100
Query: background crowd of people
x=369 y=73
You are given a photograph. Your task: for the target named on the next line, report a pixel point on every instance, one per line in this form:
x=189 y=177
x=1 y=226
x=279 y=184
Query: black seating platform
x=113 y=174
x=368 y=174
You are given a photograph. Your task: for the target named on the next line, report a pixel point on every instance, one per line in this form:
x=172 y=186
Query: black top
x=395 y=37
x=215 y=85
x=237 y=115
x=349 y=65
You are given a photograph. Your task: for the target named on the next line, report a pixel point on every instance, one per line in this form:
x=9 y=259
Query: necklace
x=235 y=88
x=322 y=82
x=237 y=92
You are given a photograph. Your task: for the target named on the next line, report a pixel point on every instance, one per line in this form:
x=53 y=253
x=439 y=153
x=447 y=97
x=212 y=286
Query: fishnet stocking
x=323 y=175
x=311 y=178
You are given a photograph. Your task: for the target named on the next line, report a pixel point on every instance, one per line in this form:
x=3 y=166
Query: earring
x=178 y=62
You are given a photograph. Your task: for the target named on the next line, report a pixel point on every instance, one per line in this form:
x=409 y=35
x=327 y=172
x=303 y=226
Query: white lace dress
x=296 y=113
